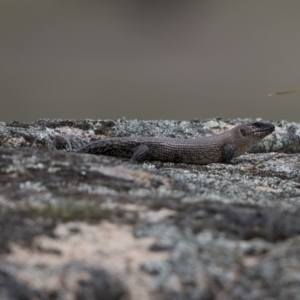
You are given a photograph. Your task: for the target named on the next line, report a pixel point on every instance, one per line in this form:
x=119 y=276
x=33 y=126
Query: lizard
x=218 y=148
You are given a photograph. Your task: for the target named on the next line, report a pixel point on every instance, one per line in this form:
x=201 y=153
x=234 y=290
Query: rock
x=96 y=227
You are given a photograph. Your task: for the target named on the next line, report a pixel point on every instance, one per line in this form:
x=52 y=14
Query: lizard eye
x=258 y=124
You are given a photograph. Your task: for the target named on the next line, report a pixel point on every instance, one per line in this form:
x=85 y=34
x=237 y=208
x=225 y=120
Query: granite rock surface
x=78 y=226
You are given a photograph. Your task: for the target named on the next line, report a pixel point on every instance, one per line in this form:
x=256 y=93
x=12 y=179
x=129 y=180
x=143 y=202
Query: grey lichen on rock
x=150 y=231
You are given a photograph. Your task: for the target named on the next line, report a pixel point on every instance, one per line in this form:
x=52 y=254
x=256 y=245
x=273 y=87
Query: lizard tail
x=93 y=148
x=111 y=147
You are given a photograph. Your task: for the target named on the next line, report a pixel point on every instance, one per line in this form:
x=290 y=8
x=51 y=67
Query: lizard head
x=250 y=134
x=256 y=131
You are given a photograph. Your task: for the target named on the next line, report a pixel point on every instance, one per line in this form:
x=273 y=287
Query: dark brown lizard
x=219 y=148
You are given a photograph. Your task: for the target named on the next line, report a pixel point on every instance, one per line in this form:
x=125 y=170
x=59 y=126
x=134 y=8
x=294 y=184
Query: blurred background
x=149 y=59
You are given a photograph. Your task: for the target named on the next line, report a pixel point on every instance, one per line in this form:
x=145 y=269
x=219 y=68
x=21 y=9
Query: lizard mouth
x=259 y=129
x=262 y=128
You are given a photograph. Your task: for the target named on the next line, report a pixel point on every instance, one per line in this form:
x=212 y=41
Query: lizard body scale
x=219 y=148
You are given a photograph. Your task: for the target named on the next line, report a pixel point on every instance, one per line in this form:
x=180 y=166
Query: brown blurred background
x=149 y=59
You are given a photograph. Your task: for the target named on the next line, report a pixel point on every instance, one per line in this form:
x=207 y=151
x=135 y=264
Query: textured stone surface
x=96 y=227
